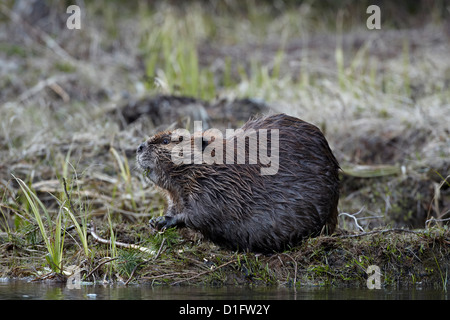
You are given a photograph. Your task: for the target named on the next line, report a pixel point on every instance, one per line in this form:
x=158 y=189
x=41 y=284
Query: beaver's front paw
x=162 y=223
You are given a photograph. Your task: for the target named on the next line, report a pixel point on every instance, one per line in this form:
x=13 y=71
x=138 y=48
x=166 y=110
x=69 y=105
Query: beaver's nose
x=141 y=147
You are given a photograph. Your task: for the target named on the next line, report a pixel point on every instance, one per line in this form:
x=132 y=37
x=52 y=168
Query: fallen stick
x=97 y=238
x=380 y=232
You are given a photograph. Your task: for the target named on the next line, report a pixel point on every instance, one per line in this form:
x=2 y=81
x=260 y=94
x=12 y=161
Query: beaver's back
x=239 y=208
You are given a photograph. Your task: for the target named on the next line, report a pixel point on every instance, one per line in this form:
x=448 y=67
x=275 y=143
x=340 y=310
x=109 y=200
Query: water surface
x=27 y=290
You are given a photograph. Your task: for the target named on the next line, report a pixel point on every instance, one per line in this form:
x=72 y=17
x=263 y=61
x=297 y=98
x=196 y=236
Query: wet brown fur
x=235 y=206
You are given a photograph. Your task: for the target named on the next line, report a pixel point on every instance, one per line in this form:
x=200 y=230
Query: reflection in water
x=22 y=289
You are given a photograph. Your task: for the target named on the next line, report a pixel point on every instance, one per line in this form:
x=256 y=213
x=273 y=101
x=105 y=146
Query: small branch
x=295 y=268
x=160 y=249
x=427 y=223
x=99 y=265
x=134 y=270
x=117 y=243
x=380 y=232
x=354 y=218
x=165 y=275
x=143 y=262
x=203 y=273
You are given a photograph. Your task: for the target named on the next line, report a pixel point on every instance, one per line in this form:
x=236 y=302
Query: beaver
x=234 y=204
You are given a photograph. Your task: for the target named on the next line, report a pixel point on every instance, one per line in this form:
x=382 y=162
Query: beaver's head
x=154 y=157
x=164 y=157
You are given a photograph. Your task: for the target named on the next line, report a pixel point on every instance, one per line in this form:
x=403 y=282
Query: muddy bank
x=406 y=258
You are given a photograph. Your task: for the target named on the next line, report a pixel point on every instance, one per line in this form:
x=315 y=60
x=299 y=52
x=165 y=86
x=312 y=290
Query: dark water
x=26 y=290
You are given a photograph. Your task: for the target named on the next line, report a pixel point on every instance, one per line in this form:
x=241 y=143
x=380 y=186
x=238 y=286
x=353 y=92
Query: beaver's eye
x=166 y=141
